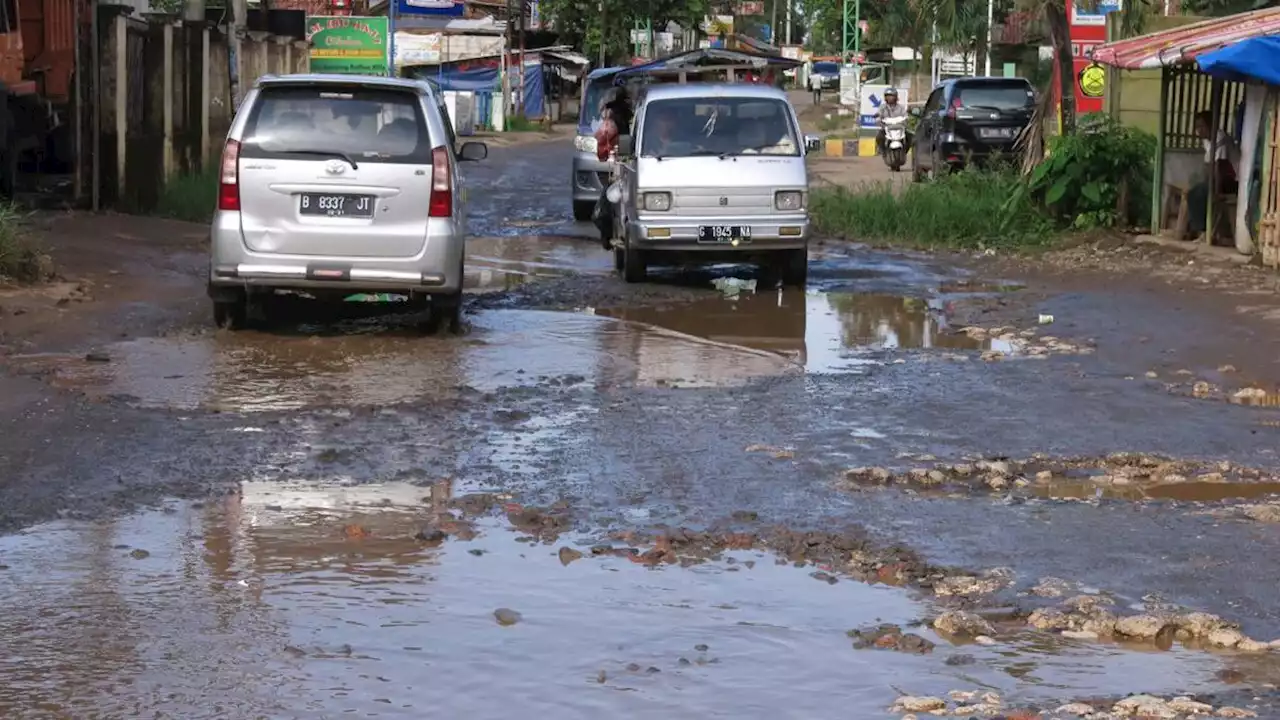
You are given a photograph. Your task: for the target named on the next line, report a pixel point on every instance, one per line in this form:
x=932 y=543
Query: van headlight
x=585 y=143
x=657 y=201
x=789 y=200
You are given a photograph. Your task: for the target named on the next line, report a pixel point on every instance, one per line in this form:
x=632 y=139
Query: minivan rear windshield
x=998 y=96
x=361 y=123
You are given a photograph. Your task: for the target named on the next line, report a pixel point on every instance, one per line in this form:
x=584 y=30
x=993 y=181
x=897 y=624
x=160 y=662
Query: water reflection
x=286 y=601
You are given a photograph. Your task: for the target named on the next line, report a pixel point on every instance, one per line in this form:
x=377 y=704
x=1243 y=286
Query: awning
x=1184 y=44
x=694 y=60
x=1253 y=59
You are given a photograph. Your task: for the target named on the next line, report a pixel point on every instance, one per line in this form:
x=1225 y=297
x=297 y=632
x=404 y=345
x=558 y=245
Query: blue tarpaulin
x=1253 y=59
x=482 y=76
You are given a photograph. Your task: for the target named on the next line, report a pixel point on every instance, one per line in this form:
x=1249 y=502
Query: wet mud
x=270 y=601
x=640 y=518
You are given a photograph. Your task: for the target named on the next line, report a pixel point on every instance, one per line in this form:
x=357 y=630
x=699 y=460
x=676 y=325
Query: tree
x=590 y=24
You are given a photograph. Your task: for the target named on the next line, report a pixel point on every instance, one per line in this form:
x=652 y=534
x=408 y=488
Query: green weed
x=962 y=210
x=189 y=197
x=21 y=258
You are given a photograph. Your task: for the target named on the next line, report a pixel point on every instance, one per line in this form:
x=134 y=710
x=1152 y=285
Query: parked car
x=590 y=175
x=829 y=72
x=714 y=173
x=336 y=185
x=969 y=120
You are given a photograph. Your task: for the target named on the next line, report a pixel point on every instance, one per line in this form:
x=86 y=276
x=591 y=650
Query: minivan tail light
x=951 y=111
x=441 y=204
x=229 y=180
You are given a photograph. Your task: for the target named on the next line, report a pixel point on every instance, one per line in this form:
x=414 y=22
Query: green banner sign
x=348 y=45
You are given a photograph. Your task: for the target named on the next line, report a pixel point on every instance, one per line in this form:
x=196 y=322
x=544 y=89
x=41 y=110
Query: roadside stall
x=1187 y=185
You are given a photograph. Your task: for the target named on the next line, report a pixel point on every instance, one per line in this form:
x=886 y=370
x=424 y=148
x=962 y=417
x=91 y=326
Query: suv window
x=996 y=95
x=366 y=124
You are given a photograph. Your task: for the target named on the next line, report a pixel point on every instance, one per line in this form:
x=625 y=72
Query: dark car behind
x=830 y=74
x=970 y=120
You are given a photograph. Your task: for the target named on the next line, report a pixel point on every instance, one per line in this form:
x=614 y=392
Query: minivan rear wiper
x=328 y=154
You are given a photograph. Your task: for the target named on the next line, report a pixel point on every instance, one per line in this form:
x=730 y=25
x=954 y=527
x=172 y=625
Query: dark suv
x=969 y=120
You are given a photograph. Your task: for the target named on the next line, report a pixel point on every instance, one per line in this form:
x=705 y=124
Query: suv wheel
x=793 y=267
x=582 y=210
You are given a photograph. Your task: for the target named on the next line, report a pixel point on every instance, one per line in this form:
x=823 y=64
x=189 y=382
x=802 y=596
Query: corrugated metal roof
x=1182 y=45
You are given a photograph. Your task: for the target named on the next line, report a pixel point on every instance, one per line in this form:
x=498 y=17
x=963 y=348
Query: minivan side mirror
x=812 y=143
x=626 y=145
x=473 y=151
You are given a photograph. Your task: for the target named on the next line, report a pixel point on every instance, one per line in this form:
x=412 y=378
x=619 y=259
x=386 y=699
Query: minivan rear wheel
x=231 y=314
x=444 y=314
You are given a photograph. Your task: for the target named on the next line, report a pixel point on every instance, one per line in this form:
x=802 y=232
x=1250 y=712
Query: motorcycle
x=895 y=143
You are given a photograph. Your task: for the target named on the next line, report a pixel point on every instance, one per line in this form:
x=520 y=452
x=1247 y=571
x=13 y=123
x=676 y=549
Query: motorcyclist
x=889 y=109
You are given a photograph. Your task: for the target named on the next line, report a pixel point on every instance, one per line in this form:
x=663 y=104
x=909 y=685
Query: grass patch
x=963 y=210
x=518 y=123
x=189 y=197
x=21 y=257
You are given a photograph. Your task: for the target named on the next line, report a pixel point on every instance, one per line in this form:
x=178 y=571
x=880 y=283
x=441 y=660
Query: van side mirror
x=626 y=145
x=473 y=151
x=812 y=143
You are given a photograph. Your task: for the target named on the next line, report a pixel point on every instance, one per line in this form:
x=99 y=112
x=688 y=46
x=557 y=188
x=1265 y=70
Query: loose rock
x=961 y=623
x=506 y=616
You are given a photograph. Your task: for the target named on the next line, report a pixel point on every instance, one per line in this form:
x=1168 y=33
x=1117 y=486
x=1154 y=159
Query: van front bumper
x=768 y=232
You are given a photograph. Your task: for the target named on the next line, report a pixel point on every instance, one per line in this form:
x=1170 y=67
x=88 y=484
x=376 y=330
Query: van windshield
x=690 y=127
x=997 y=96
x=368 y=124
x=593 y=102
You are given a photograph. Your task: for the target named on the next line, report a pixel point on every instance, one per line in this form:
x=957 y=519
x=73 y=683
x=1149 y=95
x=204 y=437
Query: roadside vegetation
x=189 y=197
x=21 y=258
x=1099 y=177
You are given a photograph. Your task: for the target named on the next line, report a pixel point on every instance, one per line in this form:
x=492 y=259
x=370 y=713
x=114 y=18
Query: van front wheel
x=793 y=266
x=635 y=266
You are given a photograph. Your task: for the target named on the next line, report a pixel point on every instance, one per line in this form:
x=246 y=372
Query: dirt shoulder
x=115 y=276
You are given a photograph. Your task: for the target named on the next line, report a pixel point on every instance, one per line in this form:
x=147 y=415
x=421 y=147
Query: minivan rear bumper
x=956 y=150
x=436 y=270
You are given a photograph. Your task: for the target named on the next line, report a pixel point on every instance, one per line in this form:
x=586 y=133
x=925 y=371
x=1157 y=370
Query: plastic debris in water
x=732 y=287
x=376 y=297
x=1046 y=319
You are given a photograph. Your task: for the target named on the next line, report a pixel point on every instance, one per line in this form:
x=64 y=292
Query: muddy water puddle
x=824 y=332
x=502 y=263
x=1207 y=492
x=374 y=365
x=314 y=602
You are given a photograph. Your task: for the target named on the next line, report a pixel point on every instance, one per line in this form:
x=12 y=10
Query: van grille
x=722 y=201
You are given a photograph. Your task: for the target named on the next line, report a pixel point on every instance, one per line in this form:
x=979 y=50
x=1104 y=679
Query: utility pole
x=520 y=90
x=773 y=24
x=602 y=26
x=393 y=17
x=788 y=35
x=239 y=15
x=991 y=11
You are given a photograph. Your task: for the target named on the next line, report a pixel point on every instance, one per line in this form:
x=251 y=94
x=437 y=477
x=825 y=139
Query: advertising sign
x=1097 y=16
x=751 y=7
x=870 y=100
x=348 y=45
x=449 y=8
x=417 y=49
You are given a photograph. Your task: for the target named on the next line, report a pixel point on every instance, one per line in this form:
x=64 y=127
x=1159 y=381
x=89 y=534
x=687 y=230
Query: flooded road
x=288 y=600
x=337 y=517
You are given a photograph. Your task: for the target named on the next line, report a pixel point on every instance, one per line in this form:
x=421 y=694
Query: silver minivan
x=590 y=174
x=714 y=173
x=337 y=185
